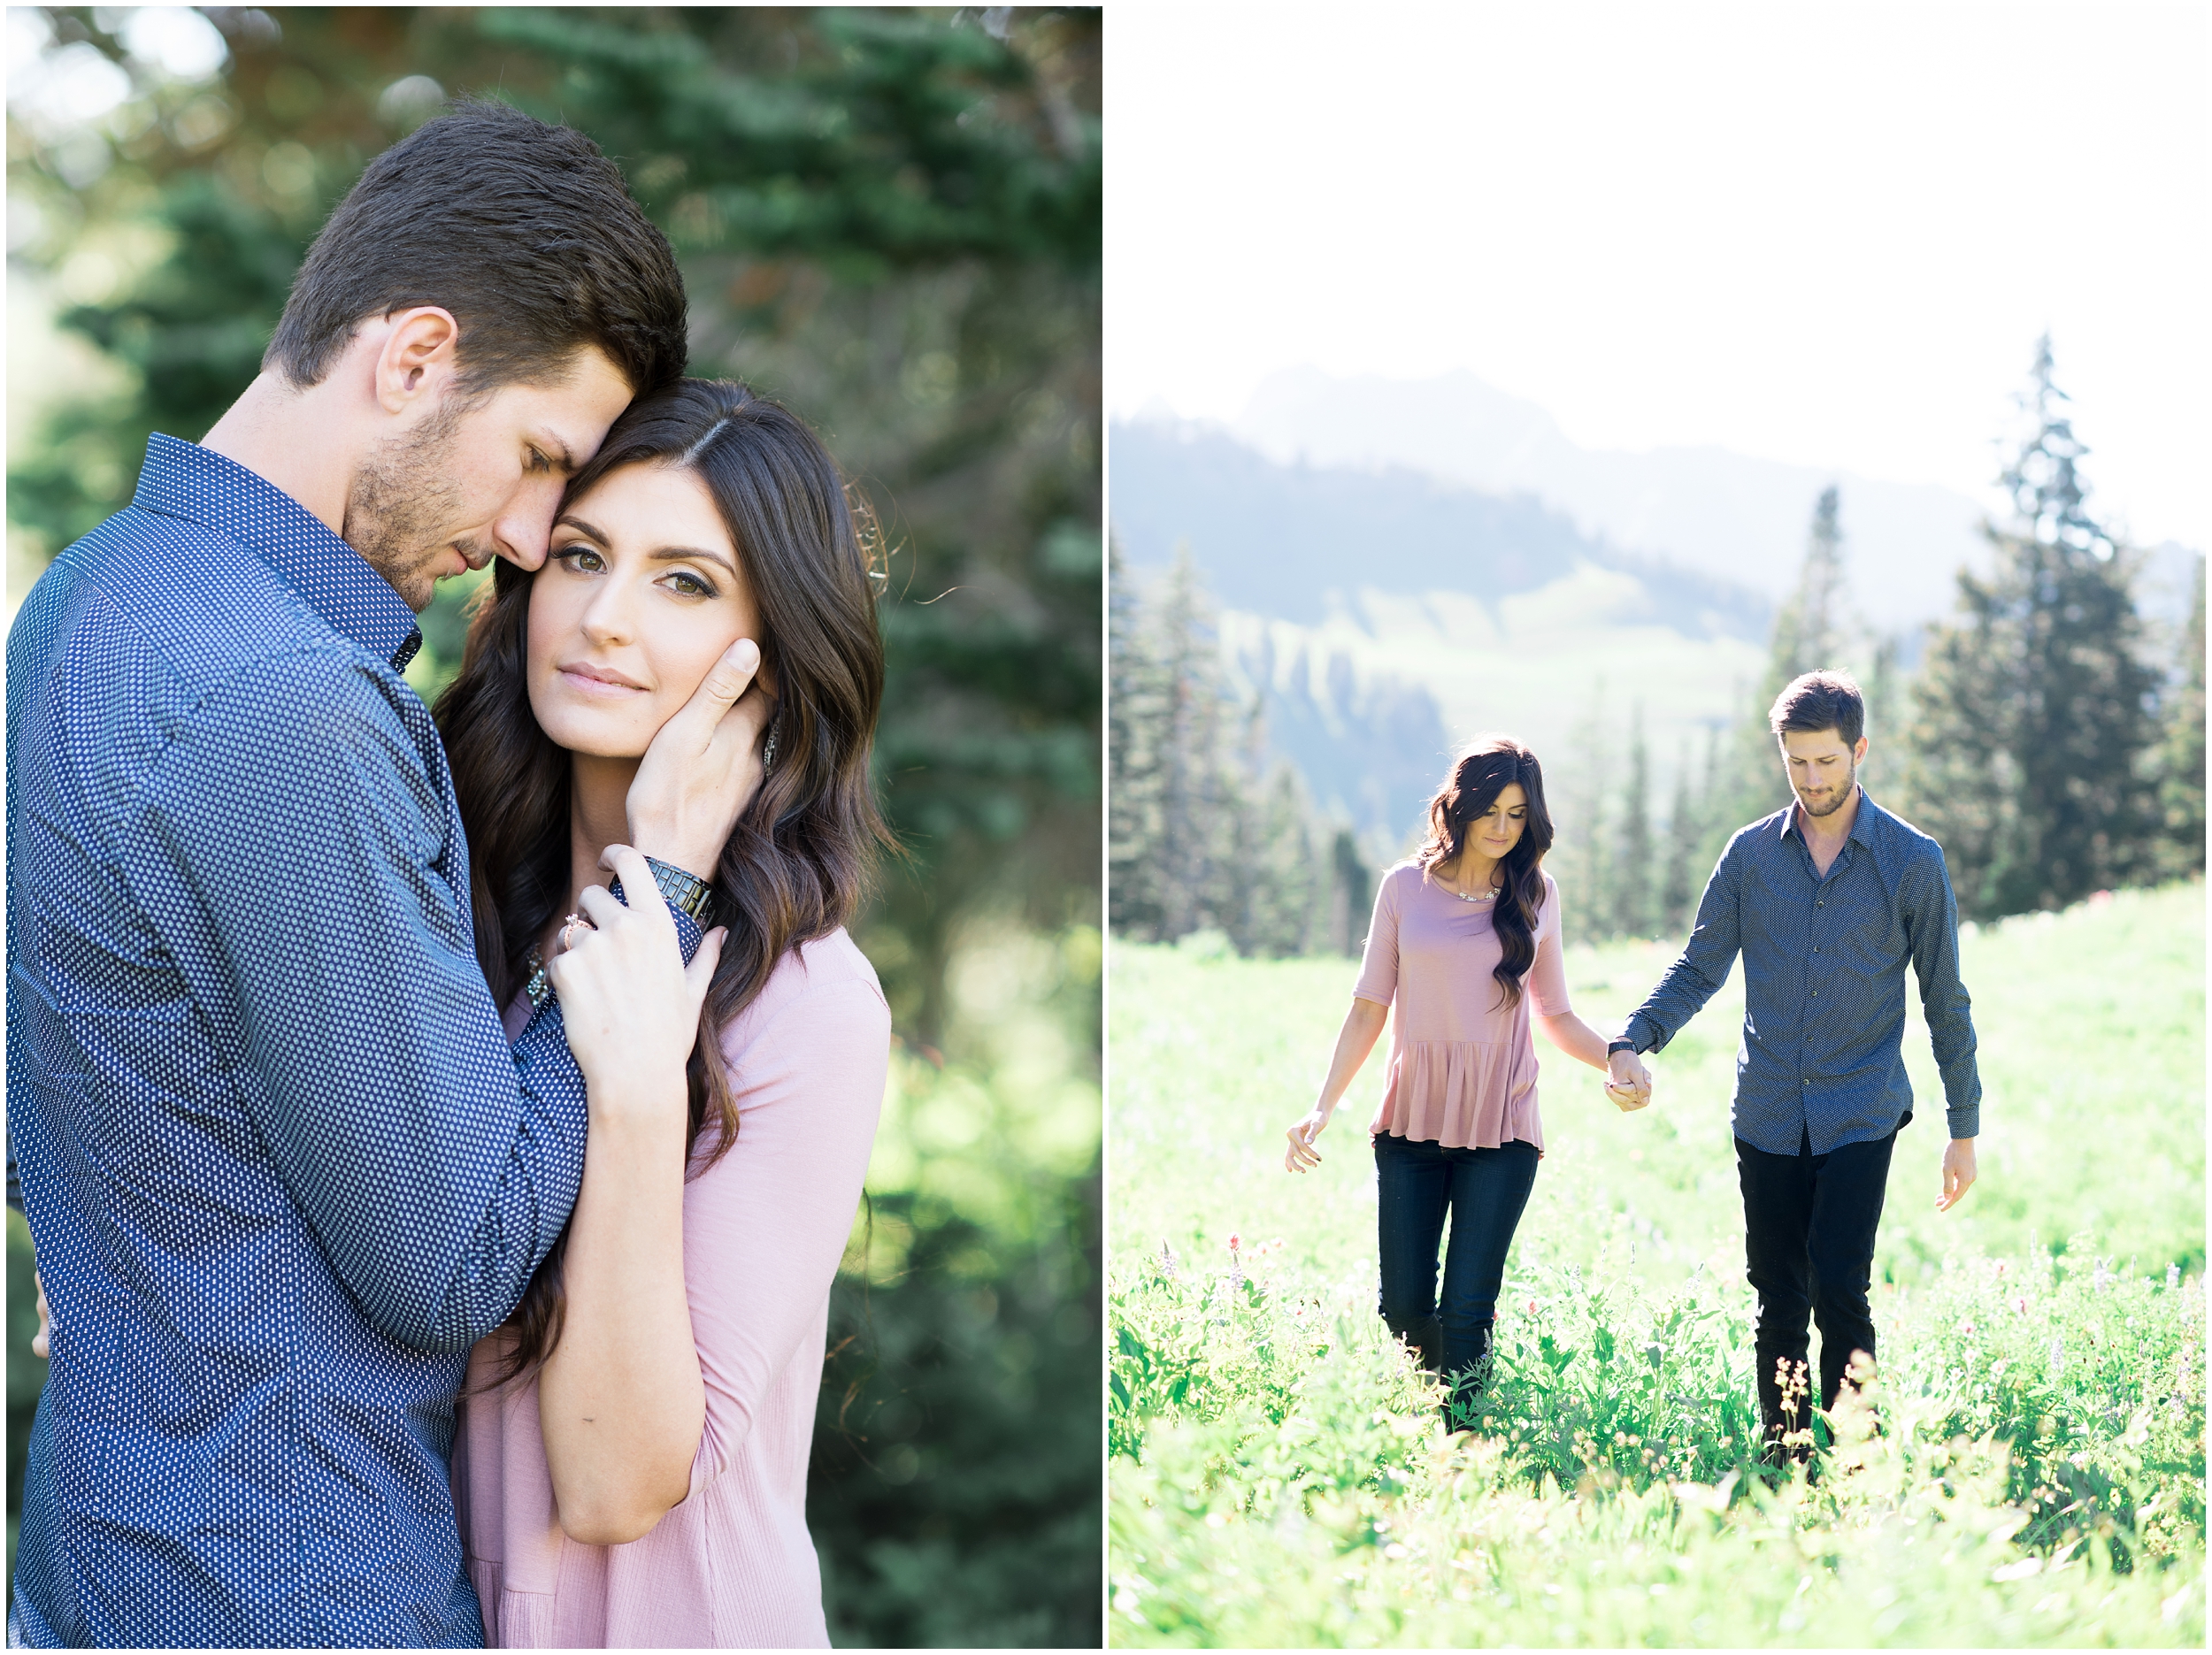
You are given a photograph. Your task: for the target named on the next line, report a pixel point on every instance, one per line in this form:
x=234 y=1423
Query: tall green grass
x=2029 y=1465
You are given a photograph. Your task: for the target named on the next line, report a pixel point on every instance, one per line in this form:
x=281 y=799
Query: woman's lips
x=586 y=681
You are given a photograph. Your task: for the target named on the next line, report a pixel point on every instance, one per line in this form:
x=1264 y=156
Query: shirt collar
x=1861 y=822
x=182 y=479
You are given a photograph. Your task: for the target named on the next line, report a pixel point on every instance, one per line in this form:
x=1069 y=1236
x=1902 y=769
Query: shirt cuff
x=1964 y=1122
x=688 y=933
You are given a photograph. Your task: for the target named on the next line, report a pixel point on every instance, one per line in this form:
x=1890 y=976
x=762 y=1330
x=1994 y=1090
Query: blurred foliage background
x=889 y=219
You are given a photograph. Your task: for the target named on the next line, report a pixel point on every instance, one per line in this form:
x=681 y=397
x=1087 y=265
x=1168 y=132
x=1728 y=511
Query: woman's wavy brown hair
x=804 y=849
x=1485 y=769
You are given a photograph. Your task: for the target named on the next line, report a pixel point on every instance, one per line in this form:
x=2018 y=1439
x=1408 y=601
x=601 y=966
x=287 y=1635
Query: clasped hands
x=1628 y=1082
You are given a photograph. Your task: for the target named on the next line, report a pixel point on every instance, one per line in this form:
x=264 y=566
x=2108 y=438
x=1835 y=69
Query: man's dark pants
x=1809 y=1243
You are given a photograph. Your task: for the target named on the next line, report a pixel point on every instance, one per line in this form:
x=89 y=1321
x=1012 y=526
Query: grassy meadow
x=2029 y=1468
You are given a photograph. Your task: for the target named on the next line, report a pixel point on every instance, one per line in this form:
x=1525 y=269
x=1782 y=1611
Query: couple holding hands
x=1828 y=900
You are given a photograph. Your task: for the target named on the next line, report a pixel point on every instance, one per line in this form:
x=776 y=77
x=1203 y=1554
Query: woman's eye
x=580 y=559
x=690 y=585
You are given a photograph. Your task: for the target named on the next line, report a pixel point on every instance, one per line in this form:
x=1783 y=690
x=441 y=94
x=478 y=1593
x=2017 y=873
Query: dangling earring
x=768 y=753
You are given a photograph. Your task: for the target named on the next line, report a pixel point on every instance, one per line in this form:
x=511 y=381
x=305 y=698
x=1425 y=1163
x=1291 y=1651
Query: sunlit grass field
x=2031 y=1469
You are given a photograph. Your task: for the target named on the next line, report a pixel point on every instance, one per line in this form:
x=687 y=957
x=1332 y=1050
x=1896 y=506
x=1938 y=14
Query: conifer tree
x=1136 y=709
x=1583 y=849
x=1634 y=866
x=1812 y=629
x=2032 y=726
x=1351 y=894
x=2181 y=768
x=1198 y=799
x=1686 y=831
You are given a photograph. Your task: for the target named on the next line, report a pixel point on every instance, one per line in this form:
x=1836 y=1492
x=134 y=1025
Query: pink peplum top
x=764 y=1228
x=1463 y=1066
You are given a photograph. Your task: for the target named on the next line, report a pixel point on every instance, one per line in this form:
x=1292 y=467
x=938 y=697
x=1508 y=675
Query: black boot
x=1425 y=1340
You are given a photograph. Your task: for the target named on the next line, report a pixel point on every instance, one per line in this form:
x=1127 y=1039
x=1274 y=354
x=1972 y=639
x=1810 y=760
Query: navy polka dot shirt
x=280 y=1164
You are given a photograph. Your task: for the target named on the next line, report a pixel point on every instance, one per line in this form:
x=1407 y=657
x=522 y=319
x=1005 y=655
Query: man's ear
x=1858 y=753
x=419 y=354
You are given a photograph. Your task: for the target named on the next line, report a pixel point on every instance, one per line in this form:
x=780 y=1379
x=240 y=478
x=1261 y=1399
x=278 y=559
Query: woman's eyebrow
x=570 y=521
x=671 y=554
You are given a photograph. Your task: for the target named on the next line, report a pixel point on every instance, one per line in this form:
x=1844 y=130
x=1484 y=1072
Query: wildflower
x=2173 y=1276
x=2021 y=1305
x=1235 y=1241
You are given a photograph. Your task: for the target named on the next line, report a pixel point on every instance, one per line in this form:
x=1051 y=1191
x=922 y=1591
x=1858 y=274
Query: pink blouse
x=764 y=1230
x=1463 y=1066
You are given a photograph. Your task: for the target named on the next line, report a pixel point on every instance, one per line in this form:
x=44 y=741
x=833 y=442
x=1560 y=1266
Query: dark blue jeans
x=1418 y=1185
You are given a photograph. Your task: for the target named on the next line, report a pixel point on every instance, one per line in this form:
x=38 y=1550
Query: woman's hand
x=1363 y=1027
x=1629 y=1081
x=1302 y=1156
x=630 y=1003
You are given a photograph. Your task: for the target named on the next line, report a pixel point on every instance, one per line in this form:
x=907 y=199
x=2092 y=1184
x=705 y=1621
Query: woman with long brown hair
x=630 y=1464
x=1465 y=937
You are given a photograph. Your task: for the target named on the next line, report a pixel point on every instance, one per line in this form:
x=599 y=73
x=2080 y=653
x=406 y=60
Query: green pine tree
x=1679 y=889
x=1635 y=868
x=2033 y=733
x=2181 y=767
x=1138 y=708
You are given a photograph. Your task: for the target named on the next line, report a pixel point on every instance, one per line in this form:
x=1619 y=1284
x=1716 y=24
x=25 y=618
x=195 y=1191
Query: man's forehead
x=570 y=415
x=1812 y=744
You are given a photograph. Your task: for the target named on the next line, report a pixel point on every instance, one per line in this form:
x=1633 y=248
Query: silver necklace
x=1487 y=896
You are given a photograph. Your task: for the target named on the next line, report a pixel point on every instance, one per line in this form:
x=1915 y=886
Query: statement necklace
x=1487 y=896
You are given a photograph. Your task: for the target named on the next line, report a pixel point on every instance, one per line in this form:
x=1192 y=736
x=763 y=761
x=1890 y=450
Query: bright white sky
x=1813 y=232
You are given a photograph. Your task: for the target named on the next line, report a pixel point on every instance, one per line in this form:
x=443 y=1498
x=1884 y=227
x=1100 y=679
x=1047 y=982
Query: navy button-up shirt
x=1823 y=966
x=280 y=1164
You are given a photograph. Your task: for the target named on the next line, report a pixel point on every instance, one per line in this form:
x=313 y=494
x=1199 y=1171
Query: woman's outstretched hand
x=1302 y=1155
x=630 y=1003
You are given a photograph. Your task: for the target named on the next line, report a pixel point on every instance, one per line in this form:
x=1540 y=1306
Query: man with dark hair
x=281 y=1165
x=1827 y=900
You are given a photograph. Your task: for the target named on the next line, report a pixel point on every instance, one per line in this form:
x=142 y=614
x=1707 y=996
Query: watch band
x=687 y=892
x=1622 y=1045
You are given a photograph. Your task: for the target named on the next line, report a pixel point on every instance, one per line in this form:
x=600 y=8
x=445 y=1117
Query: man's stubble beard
x=403 y=497
x=1843 y=797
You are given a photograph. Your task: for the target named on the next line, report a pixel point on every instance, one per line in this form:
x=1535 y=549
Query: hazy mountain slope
x=1295 y=540
x=1705 y=509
